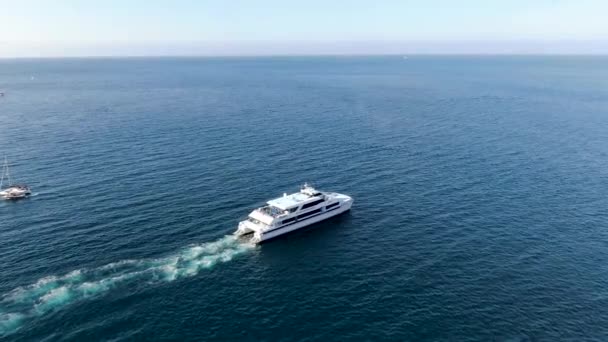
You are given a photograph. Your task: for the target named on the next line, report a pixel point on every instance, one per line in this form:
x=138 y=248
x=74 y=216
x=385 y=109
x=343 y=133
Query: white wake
x=55 y=292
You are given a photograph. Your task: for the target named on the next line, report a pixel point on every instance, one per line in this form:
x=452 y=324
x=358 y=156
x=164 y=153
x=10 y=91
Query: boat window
x=333 y=205
x=310 y=213
x=289 y=220
x=312 y=204
x=272 y=211
x=293 y=210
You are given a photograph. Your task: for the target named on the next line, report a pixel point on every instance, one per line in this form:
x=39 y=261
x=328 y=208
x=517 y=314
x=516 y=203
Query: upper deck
x=292 y=201
x=288 y=201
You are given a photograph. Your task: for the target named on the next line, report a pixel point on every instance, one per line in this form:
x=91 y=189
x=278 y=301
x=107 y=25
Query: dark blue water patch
x=479 y=186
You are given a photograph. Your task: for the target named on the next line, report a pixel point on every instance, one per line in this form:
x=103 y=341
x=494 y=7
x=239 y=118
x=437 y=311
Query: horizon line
x=288 y=55
x=268 y=48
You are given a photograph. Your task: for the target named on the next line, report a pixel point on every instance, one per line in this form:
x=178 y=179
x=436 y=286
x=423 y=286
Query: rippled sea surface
x=480 y=186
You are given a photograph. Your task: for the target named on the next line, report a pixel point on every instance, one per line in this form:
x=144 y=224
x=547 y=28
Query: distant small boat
x=13 y=191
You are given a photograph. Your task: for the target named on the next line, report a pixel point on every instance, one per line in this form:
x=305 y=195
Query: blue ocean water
x=480 y=188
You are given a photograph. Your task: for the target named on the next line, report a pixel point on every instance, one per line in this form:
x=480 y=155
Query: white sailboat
x=12 y=191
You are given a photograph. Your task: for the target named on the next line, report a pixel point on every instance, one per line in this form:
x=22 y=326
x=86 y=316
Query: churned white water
x=56 y=292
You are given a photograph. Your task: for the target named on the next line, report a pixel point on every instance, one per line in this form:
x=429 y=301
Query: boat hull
x=12 y=195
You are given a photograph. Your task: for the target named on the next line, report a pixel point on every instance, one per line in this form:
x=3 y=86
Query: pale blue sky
x=189 y=27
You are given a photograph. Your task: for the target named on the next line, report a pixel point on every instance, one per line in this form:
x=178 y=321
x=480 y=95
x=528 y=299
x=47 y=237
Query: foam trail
x=55 y=292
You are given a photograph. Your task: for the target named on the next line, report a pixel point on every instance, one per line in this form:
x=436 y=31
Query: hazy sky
x=190 y=27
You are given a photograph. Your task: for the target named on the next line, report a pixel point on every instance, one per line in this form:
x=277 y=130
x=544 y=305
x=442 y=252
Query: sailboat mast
x=8 y=175
x=2 y=177
x=5 y=171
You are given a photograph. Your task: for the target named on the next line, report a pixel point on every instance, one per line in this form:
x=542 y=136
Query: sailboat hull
x=13 y=191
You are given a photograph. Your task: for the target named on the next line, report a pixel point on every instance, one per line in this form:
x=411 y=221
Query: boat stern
x=247 y=227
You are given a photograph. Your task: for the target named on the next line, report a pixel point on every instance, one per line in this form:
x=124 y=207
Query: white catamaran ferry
x=291 y=212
